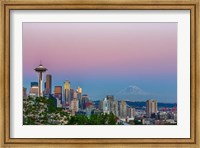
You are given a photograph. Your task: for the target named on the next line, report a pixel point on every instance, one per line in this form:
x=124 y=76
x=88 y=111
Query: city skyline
x=98 y=64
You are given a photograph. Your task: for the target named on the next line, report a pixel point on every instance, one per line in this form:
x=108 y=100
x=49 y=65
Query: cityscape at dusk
x=100 y=73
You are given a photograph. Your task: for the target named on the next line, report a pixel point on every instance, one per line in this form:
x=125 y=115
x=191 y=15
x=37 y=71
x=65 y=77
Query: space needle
x=40 y=69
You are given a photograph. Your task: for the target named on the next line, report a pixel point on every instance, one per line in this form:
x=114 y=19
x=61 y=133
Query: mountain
x=133 y=92
x=132 y=89
x=143 y=103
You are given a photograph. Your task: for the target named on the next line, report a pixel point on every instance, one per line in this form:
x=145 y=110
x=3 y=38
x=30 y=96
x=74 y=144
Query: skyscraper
x=106 y=106
x=40 y=69
x=151 y=107
x=75 y=95
x=123 y=109
x=66 y=92
x=71 y=96
x=110 y=98
x=58 y=93
x=130 y=112
x=79 y=90
x=115 y=108
x=74 y=106
x=101 y=105
x=48 y=84
x=84 y=99
x=89 y=107
x=79 y=95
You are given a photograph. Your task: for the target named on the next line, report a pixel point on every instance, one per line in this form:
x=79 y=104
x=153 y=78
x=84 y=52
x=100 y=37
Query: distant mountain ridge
x=143 y=103
x=140 y=104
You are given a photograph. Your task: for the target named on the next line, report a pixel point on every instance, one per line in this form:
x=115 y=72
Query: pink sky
x=101 y=49
x=91 y=46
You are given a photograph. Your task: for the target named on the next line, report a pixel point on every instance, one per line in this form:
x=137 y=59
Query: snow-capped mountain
x=133 y=92
x=132 y=89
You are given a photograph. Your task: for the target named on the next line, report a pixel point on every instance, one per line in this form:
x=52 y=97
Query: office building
x=48 y=85
x=89 y=107
x=110 y=98
x=151 y=107
x=74 y=106
x=79 y=90
x=114 y=107
x=106 y=106
x=101 y=105
x=58 y=93
x=123 y=110
x=34 y=90
x=71 y=96
x=79 y=95
x=66 y=92
x=130 y=112
x=75 y=95
x=59 y=103
x=84 y=100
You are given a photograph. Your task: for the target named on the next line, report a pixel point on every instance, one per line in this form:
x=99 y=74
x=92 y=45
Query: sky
x=105 y=58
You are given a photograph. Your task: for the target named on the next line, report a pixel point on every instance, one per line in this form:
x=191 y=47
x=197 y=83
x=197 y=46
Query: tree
x=94 y=119
x=42 y=110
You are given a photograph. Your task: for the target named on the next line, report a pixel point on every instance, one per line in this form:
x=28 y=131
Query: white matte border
x=182 y=130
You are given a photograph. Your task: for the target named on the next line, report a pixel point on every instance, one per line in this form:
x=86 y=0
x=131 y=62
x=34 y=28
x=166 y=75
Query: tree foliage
x=95 y=119
x=42 y=110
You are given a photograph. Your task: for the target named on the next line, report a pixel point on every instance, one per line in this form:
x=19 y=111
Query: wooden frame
x=7 y=5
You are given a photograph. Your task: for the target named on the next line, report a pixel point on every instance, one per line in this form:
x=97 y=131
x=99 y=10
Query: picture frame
x=7 y=6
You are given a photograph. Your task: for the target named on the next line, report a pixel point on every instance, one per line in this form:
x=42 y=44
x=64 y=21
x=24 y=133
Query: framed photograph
x=104 y=73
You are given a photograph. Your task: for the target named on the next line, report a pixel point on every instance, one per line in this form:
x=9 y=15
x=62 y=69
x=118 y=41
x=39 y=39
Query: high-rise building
x=24 y=93
x=101 y=105
x=89 y=107
x=84 y=100
x=71 y=94
x=114 y=107
x=75 y=95
x=123 y=109
x=40 y=69
x=74 y=106
x=59 y=104
x=151 y=107
x=34 y=90
x=58 y=93
x=79 y=90
x=110 y=98
x=66 y=92
x=79 y=95
x=48 y=84
x=130 y=112
x=106 y=106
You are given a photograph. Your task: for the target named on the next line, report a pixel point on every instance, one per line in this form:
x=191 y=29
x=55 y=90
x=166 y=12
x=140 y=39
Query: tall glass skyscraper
x=48 y=84
x=66 y=91
x=151 y=107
